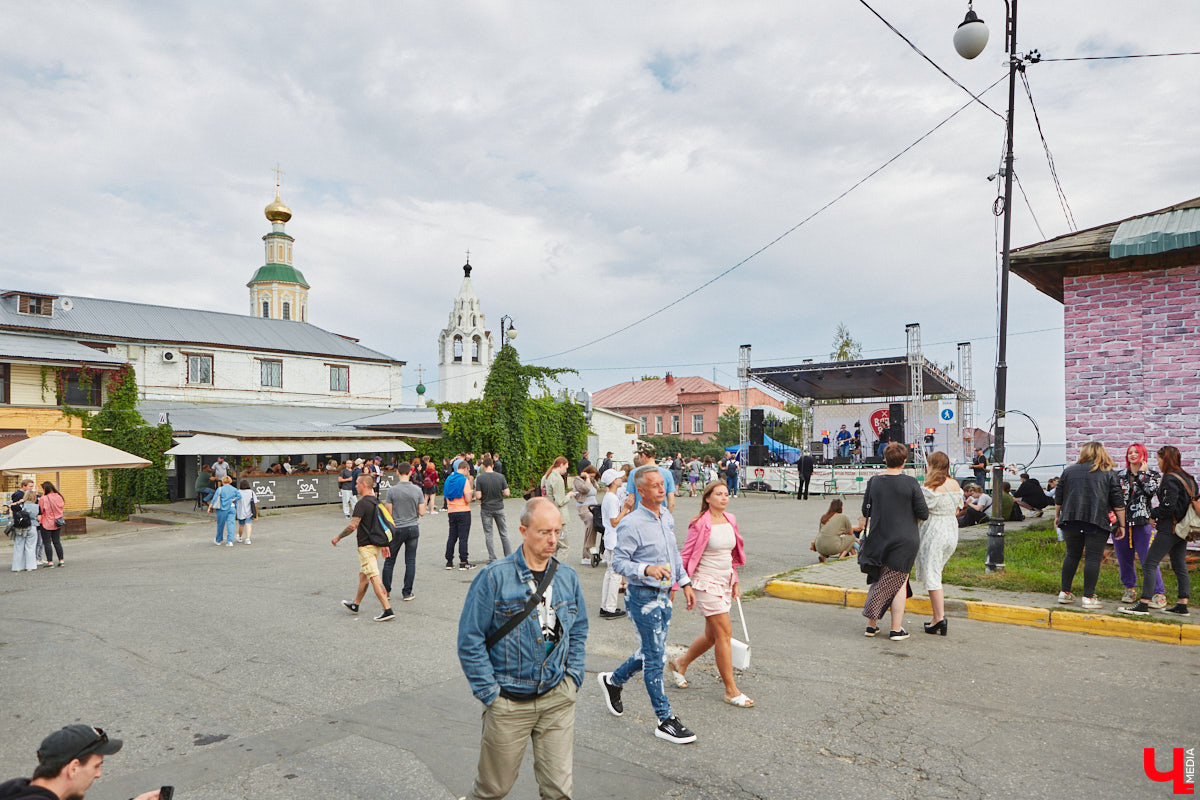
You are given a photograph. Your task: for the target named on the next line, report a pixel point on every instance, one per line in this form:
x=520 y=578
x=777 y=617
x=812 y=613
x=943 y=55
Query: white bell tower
x=465 y=347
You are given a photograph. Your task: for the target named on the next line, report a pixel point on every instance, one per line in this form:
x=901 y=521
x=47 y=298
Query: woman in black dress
x=894 y=504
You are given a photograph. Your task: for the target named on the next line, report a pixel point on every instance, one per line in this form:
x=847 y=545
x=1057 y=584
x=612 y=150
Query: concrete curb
x=1050 y=618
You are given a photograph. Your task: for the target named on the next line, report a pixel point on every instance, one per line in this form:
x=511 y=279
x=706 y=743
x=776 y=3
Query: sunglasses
x=100 y=740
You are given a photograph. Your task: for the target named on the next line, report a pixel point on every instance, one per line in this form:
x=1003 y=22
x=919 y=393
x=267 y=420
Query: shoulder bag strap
x=742 y=615
x=530 y=605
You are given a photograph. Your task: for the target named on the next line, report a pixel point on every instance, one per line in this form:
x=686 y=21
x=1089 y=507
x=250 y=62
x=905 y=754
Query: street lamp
x=510 y=332
x=969 y=40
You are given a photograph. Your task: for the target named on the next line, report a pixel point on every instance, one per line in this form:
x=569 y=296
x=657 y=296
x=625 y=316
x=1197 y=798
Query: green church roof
x=279 y=272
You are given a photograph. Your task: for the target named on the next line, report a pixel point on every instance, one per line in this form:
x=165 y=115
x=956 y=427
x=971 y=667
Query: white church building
x=465 y=347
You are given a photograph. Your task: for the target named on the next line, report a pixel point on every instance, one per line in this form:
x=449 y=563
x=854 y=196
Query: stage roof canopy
x=854 y=380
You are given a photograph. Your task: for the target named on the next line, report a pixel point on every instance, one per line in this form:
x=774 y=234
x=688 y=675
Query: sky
x=599 y=161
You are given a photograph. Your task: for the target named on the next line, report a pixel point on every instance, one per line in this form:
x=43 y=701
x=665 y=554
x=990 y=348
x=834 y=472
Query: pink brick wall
x=1133 y=361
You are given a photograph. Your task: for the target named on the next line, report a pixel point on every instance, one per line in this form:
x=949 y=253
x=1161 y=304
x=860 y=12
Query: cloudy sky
x=598 y=160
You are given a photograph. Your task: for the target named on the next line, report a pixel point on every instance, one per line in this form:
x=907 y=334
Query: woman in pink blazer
x=711 y=555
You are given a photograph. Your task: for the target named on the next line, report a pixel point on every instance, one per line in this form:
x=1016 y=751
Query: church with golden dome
x=278 y=290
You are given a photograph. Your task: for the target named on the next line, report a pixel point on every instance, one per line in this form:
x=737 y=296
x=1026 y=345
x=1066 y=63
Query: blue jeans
x=731 y=484
x=225 y=521
x=650 y=610
x=206 y=495
x=406 y=536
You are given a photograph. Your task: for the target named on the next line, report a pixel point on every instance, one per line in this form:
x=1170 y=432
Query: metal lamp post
x=510 y=332
x=969 y=40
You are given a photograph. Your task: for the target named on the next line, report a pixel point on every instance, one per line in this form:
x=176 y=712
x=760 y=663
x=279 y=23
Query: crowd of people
x=36 y=525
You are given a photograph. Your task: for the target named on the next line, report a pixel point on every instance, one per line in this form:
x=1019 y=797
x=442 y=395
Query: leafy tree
x=118 y=424
x=670 y=445
x=528 y=433
x=729 y=428
x=845 y=346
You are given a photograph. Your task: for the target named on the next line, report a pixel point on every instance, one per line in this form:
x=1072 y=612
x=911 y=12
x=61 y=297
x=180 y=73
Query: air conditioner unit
x=169 y=356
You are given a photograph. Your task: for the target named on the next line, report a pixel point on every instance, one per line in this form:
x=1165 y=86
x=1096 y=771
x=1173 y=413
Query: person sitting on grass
x=975 y=509
x=1008 y=505
x=837 y=537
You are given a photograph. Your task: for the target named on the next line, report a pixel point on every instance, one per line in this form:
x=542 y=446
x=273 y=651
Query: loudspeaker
x=896 y=421
x=758 y=453
x=756 y=428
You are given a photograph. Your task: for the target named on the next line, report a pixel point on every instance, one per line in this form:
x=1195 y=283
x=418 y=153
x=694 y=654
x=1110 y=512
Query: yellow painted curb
x=807 y=592
x=1189 y=634
x=856 y=598
x=918 y=605
x=1015 y=615
x=1114 y=626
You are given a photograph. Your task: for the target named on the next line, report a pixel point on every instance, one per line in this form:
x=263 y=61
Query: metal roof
x=850 y=380
x=291 y=422
x=279 y=272
x=205 y=444
x=660 y=392
x=49 y=349
x=1156 y=233
x=116 y=319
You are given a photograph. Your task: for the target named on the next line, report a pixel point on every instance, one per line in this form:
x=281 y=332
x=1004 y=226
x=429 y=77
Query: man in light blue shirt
x=646 y=554
x=644 y=456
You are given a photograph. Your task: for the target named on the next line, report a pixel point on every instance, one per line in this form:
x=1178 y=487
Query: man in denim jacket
x=529 y=679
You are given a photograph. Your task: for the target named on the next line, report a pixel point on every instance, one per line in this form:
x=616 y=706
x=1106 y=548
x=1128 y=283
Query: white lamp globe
x=971 y=36
x=511 y=333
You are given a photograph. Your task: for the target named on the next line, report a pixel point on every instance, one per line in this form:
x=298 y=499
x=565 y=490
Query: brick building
x=1131 y=310
x=685 y=407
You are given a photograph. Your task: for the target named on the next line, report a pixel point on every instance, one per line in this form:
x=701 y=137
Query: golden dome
x=277 y=211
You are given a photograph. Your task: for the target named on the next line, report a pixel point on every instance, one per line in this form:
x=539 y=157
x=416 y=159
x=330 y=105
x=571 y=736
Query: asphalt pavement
x=235 y=672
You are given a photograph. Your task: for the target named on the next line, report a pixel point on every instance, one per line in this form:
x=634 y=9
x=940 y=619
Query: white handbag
x=741 y=650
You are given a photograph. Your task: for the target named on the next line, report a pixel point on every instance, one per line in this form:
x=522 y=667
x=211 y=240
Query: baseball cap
x=76 y=741
x=609 y=476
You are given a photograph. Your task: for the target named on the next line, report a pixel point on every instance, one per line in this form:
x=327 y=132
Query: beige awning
x=204 y=444
x=55 y=451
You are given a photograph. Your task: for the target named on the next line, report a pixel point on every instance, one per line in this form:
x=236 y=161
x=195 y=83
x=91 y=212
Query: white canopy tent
x=213 y=444
x=55 y=451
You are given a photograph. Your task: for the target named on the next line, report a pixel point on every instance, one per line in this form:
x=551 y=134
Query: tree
x=845 y=346
x=729 y=428
x=528 y=433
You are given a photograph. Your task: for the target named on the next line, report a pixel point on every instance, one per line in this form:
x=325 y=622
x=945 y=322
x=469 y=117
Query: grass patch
x=1033 y=563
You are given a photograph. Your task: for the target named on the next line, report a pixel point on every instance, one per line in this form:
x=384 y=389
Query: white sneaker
x=1066 y=597
x=237 y=539
x=585 y=561
x=1158 y=601
x=247 y=540
x=229 y=544
x=1091 y=602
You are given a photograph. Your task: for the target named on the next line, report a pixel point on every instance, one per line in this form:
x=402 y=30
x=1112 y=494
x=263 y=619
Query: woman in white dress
x=939 y=534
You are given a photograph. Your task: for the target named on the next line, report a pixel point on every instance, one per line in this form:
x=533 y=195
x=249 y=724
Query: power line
x=774 y=241
x=921 y=53
x=1114 y=58
x=1027 y=205
x=1062 y=196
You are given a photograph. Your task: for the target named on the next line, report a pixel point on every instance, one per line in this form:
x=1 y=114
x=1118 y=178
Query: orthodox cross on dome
x=467 y=266
x=278 y=174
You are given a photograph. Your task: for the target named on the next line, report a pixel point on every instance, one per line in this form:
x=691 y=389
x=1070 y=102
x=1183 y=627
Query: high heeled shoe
x=937 y=627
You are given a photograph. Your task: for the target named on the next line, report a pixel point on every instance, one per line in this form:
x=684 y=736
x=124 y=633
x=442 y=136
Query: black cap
x=76 y=741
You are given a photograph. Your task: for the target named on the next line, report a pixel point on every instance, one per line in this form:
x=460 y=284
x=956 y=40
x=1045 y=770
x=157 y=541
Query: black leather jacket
x=1085 y=496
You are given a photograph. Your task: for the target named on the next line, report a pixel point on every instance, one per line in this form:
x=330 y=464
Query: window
x=5 y=391
x=458 y=348
x=35 y=305
x=287 y=310
x=674 y=423
x=200 y=369
x=266 y=308
x=642 y=425
x=475 y=349
x=658 y=425
x=271 y=373
x=270 y=253
x=697 y=423
x=80 y=391
x=473 y=322
x=339 y=379
x=302 y=312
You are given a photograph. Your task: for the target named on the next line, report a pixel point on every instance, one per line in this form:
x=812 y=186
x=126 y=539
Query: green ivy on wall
x=527 y=432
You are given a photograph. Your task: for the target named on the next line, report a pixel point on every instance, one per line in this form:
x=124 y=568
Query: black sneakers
x=1179 y=608
x=449 y=565
x=611 y=614
x=353 y=607
x=464 y=566
x=1138 y=609
x=612 y=695
x=385 y=615
x=673 y=731
x=899 y=635
x=871 y=631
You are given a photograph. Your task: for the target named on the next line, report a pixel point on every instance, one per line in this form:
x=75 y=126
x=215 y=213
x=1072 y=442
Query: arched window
x=302 y=312
x=458 y=348
x=460 y=320
x=287 y=310
x=473 y=322
x=266 y=308
x=475 y=349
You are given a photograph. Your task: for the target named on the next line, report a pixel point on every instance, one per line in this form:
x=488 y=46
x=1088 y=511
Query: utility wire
x=1062 y=196
x=774 y=241
x=1021 y=186
x=1113 y=58
x=921 y=53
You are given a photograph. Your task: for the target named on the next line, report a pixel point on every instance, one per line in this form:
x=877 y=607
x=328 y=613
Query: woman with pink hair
x=1140 y=483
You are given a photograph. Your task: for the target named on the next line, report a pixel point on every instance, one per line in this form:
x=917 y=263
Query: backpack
x=21 y=517
x=382 y=527
x=1189 y=525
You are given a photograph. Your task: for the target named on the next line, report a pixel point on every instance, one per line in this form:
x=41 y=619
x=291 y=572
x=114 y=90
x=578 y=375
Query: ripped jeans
x=650 y=610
